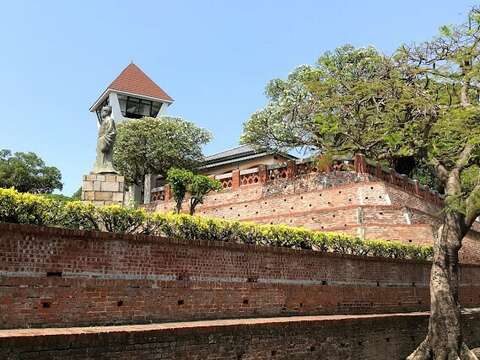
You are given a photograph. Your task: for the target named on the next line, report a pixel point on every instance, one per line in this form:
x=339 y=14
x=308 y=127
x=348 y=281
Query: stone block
x=111 y=178
x=87 y=185
x=97 y=185
x=88 y=195
x=91 y=177
x=109 y=186
x=118 y=197
x=103 y=196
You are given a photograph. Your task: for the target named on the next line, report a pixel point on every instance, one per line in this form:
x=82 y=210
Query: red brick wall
x=375 y=337
x=337 y=201
x=56 y=277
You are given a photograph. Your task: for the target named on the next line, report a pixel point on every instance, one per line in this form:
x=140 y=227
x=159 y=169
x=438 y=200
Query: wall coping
x=72 y=234
x=357 y=164
x=212 y=325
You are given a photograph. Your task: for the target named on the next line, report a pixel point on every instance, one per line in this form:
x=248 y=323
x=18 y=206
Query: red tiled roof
x=133 y=80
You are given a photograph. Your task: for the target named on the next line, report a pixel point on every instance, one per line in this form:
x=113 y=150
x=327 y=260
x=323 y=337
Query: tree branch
x=441 y=170
x=473 y=206
x=464 y=157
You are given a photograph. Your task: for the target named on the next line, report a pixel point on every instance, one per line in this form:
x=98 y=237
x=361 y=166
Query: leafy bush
x=78 y=215
x=179 y=180
x=116 y=218
x=182 y=181
x=34 y=209
x=25 y=208
x=199 y=187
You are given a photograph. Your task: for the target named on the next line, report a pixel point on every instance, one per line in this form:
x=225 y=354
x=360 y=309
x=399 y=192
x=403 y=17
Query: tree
x=449 y=67
x=26 y=172
x=199 y=187
x=354 y=100
x=184 y=181
x=179 y=180
x=153 y=145
x=423 y=102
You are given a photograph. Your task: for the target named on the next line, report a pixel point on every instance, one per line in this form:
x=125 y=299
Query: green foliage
x=324 y=162
x=25 y=208
x=78 y=215
x=26 y=172
x=116 y=218
x=425 y=174
x=455 y=128
x=200 y=186
x=200 y=228
x=77 y=195
x=353 y=100
x=179 y=180
x=154 y=145
x=22 y=208
x=422 y=102
x=58 y=197
x=182 y=181
x=449 y=67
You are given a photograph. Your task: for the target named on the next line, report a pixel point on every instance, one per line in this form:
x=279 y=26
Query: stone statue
x=106 y=138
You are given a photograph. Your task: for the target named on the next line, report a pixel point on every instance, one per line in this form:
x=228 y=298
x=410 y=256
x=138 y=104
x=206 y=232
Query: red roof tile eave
x=132 y=80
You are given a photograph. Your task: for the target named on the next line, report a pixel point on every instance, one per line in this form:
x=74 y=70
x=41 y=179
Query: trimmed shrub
x=79 y=215
x=25 y=208
x=33 y=209
x=116 y=218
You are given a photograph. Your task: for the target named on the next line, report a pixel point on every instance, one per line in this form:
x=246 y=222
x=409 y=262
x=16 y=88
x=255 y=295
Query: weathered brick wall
x=57 y=277
x=375 y=337
x=339 y=201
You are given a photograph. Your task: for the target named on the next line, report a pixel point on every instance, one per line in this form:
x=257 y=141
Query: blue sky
x=213 y=57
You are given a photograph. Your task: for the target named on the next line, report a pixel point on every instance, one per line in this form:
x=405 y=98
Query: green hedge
x=33 y=209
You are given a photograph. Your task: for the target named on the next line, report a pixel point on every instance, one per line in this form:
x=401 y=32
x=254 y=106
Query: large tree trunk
x=444 y=340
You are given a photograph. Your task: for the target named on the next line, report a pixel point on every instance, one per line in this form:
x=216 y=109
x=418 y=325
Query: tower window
x=135 y=108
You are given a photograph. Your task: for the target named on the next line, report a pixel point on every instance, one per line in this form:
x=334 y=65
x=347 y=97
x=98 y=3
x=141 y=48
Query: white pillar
x=133 y=195
x=147 y=188
x=163 y=108
x=115 y=104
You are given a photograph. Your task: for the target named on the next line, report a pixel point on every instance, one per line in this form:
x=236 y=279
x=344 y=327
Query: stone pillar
x=103 y=189
x=291 y=169
x=262 y=174
x=235 y=179
x=360 y=164
x=416 y=185
x=168 y=192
